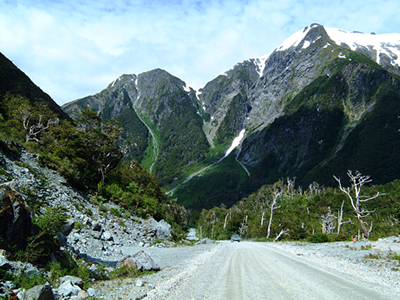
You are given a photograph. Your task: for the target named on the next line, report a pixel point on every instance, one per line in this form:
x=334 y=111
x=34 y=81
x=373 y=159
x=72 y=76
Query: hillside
x=322 y=102
x=14 y=81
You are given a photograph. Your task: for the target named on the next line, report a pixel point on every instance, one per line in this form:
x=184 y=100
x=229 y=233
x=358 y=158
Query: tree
x=273 y=207
x=356 y=199
x=340 y=218
x=27 y=119
x=101 y=142
x=327 y=222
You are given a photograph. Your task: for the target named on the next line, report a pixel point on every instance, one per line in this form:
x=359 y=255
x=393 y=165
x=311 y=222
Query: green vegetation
x=88 y=152
x=221 y=181
x=300 y=214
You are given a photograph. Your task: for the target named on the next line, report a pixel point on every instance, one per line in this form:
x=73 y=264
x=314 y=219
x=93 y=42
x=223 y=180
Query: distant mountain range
x=324 y=101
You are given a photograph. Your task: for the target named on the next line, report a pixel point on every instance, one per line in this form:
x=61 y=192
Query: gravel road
x=248 y=270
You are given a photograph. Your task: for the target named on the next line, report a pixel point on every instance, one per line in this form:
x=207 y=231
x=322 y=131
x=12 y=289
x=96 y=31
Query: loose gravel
x=376 y=263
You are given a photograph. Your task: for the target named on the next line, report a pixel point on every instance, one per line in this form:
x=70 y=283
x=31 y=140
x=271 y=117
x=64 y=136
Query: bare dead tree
x=262 y=218
x=340 y=218
x=290 y=183
x=243 y=227
x=273 y=207
x=34 y=131
x=327 y=222
x=370 y=228
x=282 y=232
x=213 y=220
x=313 y=187
x=226 y=220
x=356 y=200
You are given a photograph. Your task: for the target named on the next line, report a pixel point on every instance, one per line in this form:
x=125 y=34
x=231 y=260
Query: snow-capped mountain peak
x=374 y=45
x=388 y=44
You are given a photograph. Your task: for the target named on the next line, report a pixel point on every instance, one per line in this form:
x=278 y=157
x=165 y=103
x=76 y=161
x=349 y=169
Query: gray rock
x=107 y=236
x=93 y=292
x=4 y=291
x=161 y=229
x=15 y=222
x=40 y=292
x=31 y=271
x=68 y=227
x=139 y=283
x=61 y=239
x=75 y=280
x=68 y=289
x=3 y=262
x=96 y=226
x=143 y=261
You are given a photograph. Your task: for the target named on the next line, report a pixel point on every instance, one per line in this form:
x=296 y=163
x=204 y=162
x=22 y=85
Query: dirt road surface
x=249 y=270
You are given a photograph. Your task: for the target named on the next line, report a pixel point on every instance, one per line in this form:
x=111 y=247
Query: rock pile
x=94 y=231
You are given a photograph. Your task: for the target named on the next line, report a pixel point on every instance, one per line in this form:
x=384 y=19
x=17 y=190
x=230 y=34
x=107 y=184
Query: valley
x=276 y=150
x=303 y=109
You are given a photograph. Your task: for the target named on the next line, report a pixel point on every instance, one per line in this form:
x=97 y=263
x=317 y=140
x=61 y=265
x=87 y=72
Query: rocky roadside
x=102 y=234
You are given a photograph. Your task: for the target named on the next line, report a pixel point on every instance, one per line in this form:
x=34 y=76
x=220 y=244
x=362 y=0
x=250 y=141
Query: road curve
x=249 y=270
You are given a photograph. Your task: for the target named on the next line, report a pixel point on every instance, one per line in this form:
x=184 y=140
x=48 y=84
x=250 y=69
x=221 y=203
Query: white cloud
x=75 y=48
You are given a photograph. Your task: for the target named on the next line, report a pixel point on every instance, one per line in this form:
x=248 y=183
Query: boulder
x=93 y=293
x=39 y=292
x=96 y=226
x=75 y=280
x=4 y=291
x=68 y=289
x=127 y=261
x=62 y=240
x=68 y=227
x=83 y=294
x=145 y=262
x=15 y=221
x=162 y=229
x=141 y=260
x=107 y=236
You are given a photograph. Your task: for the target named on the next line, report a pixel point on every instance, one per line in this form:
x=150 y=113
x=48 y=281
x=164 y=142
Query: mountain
x=160 y=117
x=324 y=101
x=15 y=81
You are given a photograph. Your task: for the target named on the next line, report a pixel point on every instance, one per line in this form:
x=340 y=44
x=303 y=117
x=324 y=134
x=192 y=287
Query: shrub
x=340 y=238
x=319 y=238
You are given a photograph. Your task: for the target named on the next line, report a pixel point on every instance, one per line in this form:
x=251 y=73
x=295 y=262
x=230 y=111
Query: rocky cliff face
x=299 y=106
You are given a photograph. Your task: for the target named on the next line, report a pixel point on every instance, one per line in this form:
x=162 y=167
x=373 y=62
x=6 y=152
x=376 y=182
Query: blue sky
x=72 y=49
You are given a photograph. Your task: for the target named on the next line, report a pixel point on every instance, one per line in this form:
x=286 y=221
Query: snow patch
x=327 y=45
x=236 y=142
x=186 y=88
x=260 y=64
x=388 y=44
x=306 y=44
x=294 y=40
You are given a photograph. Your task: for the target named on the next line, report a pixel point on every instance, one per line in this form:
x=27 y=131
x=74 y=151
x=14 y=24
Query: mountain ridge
x=254 y=96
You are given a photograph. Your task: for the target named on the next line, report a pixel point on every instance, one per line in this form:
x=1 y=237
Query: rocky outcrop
x=15 y=221
x=40 y=292
x=95 y=235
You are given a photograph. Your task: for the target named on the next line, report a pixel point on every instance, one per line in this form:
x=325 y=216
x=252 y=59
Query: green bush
x=318 y=238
